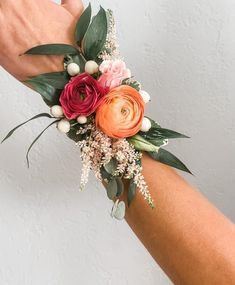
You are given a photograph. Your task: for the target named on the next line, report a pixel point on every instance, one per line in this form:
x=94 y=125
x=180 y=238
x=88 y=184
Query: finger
x=74 y=7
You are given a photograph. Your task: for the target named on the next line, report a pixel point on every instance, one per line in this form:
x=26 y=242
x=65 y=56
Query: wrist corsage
x=98 y=104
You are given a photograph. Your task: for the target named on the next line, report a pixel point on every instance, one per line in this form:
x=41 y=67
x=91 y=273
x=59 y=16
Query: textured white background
x=184 y=54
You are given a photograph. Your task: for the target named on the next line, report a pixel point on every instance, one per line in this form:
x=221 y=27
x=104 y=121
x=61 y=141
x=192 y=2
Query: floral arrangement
x=97 y=103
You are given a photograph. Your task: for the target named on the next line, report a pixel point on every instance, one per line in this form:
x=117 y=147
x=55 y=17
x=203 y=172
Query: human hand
x=25 y=24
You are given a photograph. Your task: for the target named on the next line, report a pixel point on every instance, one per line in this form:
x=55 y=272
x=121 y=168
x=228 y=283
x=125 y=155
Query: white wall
x=50 y=233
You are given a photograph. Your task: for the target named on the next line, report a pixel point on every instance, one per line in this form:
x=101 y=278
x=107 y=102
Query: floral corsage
x=97 y=103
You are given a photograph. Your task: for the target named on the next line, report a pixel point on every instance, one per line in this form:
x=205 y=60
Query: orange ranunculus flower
x=120 y=112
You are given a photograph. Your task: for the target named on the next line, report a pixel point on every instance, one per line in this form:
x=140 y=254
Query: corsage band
x=99 y=105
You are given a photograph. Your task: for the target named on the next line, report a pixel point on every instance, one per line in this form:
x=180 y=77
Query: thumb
x=74 y=7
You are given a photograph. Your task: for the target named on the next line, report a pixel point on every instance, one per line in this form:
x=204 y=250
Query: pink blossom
x=113 y=73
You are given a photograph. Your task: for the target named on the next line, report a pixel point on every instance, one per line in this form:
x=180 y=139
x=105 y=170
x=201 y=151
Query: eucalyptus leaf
x=141 y=144
x=33 y=118
x=120 y=186
x=168 y=158
x=105 y=175
x=131 y=192
x=82 y=25
x=52 y=49
x=111 y=166
x=119 y=211
x=49 y=93
x=111 y=188
x=95 y=37
x=37 y=138
x=56 y=79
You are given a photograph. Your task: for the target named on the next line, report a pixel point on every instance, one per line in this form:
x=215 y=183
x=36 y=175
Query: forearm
x=190 y=239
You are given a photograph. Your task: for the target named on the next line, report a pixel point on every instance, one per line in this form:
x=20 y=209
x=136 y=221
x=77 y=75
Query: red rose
x=81 y=96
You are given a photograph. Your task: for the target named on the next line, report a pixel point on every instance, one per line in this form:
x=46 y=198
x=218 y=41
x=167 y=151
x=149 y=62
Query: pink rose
x=81 y=96
x=113 y=73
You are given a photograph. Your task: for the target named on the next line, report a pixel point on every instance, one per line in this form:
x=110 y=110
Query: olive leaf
x=37 y=138
x=17 y=127
x=95 y=37
x=49 y=93
x=168 y=158
x=56 y=79
x=82 y=25
x=52 y=49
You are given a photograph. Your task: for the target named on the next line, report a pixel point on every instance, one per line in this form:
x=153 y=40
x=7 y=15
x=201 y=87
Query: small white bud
x=146 y=125
x=82 y=120
x=73 y=69
x=145 y=95
x=91 y=67
x=64 y=126
x=57 y=111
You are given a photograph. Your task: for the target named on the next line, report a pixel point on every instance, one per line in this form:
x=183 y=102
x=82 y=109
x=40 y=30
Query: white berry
x=64 y=126
x=146 y=125
x=145 y=95
x=91 y=67
x=82 y=120
x=57 y=111
x=73 y=69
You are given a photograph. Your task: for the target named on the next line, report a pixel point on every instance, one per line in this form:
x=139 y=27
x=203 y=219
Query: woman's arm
x=25 y=24
x=187 y=236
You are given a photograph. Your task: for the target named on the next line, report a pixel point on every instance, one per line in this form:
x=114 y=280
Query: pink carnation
x=113 y=73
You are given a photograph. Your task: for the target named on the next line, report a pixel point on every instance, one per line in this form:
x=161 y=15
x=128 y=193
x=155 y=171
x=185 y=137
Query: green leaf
x=160 y=133
x=158 y=142
x=56 y=79
x=118 y=210
x=111 y=166
x=82 y=25
x=131 y=192
x=141 y=144
x=33 y=118
x=105 y=175
x=168 y=158
x=52 y=49
x=120 y=186
x=78 y=59
x=153 y=123
x=132 y=83
x=37 y=138
x=72 y=134
x=111 y=188
x=95 y=37
x=49 y=93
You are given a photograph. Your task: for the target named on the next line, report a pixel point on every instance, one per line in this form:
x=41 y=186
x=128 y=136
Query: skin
x=187 y=236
